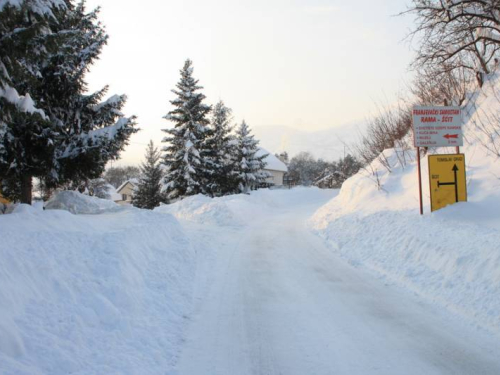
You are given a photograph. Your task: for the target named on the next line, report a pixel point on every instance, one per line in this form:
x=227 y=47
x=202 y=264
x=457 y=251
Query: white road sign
x=437 y=126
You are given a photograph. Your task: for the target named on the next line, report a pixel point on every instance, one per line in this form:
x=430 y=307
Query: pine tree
x=70 y=136
x=93 y=131
x=221 y=146
x=26 y=134
x=186 y=150
x=149 y=190
x=250 y=167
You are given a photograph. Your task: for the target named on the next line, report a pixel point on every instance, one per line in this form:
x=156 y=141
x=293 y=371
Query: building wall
x=276 y=177
x=126 y=192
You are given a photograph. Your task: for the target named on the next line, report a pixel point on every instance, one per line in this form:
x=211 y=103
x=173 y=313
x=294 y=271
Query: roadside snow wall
x=92 y=294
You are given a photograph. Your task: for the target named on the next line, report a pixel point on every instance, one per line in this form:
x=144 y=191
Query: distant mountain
x=327 y=144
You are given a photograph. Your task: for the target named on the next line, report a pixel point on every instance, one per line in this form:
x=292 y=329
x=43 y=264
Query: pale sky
x=305 y=64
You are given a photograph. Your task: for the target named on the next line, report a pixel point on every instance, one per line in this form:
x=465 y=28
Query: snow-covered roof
x=133 y=181
x=273 y=163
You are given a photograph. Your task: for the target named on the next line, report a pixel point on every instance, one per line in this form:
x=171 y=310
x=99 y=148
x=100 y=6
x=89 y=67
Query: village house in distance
x=275 y=167
x=125 y=191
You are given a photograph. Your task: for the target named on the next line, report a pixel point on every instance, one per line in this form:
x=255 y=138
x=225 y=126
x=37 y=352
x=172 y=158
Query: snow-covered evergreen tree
x=26 y=134
x=186 y=151
x=93 y=131
x=69 y=135
x=250 y=167
x=149 y=190
x=221 y=148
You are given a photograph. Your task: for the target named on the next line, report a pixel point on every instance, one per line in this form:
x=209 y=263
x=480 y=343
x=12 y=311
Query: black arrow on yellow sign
x=455 y=170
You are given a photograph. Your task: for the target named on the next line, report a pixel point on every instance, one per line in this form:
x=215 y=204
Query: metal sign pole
x=420 y=182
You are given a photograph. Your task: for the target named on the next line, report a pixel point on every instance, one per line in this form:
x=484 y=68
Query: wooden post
x=420 y=182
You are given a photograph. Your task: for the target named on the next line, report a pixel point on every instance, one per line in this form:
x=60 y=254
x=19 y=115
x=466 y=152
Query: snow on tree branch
x=43 y=7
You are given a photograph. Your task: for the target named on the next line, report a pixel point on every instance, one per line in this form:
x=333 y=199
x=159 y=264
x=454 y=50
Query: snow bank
x=99 y=294
x=78 y=204
x=202 y=210
x=240 y=209
x=451 y=256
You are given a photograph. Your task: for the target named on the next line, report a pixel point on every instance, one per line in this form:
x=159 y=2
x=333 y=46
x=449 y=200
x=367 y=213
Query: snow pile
x=201 y=209
x=97 y=294
x=451 y=256
x=240 y=209
x=78 y=204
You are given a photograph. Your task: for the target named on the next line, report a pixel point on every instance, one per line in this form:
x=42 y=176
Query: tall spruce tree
x=250 y=166
x=221 y=146
x=186 y=151
x=93 y=131
x=69 y=135
x=55 y=132
x=26 y=134
x=149 y=190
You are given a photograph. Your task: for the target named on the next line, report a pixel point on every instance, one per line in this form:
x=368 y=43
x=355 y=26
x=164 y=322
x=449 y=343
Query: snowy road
x=280 y=302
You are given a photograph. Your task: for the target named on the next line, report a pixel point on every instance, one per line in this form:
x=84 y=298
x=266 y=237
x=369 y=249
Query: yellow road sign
x=447 y=180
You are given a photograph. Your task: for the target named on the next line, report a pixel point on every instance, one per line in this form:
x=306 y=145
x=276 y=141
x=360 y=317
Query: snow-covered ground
x=450 y=257
x=232 y=285
x=301 y=281
x=279 y=301
x=92 y=294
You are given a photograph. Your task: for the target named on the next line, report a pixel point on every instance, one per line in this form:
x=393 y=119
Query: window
x=124 y=197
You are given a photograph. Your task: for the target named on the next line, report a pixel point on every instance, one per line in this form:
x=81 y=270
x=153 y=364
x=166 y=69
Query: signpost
x=439 y=127
x=447 y=180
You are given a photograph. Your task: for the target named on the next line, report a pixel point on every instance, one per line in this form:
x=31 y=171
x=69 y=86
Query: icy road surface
x=280 y=302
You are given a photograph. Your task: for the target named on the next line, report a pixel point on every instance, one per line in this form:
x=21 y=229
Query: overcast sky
x=308 y=64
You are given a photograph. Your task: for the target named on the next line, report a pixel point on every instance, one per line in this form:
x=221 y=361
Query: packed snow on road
x=276 y=282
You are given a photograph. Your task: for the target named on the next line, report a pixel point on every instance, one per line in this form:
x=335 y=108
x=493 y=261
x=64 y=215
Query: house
x=274 y=167
x=125 y=191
